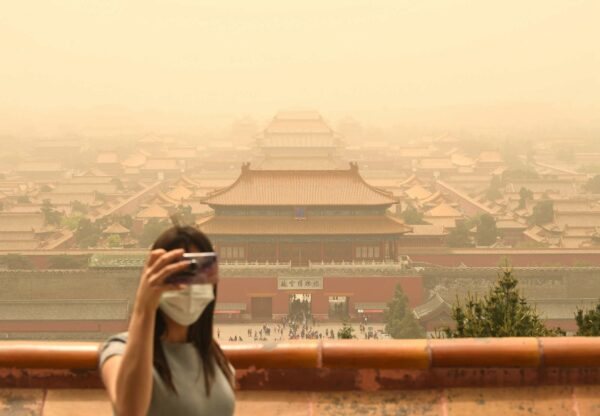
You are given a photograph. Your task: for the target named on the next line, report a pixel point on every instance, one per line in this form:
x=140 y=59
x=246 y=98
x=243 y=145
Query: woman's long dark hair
x=200 y=333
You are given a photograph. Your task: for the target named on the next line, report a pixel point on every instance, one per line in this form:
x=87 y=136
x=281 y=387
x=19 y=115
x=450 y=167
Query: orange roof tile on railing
x=352 y=354
x=41 y=354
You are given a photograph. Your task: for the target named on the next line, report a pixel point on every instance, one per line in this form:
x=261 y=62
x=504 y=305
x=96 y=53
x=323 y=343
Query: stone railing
x=340 y=364
x=366 y=266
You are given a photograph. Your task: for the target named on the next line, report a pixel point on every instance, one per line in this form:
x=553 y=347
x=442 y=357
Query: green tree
x=494 y=191
x=71 y=222
x=588 y=322
x=460 y=235
x=346 y=331
x=80 y=207
x=503 y=312
x=51 y=216
x=525 y=195
x=114 y=241
x=23 y=199
x=151 y=231
x=125 y=220
x=17 y=262
x=184 y=215
x=543 y=212
x=399 y=319
x=87 y=233
x=101 y=196
x=118 y=183
x=411 y=216
x=486 y=230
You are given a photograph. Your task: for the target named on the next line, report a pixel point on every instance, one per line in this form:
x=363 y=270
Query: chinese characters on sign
x=291 y=283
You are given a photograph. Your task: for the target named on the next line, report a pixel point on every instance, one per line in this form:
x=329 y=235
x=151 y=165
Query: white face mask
x=185 y=306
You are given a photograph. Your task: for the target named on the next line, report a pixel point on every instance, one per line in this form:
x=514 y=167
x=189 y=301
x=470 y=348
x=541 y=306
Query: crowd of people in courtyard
x=300 y=325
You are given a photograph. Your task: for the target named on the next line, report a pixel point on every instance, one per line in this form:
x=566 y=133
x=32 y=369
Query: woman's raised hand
x=159 y=265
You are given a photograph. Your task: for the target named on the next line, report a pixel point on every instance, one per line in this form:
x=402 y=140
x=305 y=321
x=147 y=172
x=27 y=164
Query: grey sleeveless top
x=188 y=376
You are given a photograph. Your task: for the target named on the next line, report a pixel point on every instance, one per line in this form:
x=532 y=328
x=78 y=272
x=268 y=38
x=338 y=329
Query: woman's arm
x=128 y=377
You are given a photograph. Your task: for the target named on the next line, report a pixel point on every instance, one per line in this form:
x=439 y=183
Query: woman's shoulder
x=114 y=345
x=120 y=337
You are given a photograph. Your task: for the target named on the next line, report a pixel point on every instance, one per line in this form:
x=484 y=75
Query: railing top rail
x=418 y=354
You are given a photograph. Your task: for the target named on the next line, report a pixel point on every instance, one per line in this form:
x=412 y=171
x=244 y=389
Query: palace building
x=303 y=217
x=298 y=140
x=323 y=237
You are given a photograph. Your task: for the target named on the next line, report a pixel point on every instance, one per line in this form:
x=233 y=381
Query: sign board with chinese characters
x=303 y=283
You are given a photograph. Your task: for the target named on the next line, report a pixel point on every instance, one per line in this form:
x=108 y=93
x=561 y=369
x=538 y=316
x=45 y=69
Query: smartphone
x=200 y=270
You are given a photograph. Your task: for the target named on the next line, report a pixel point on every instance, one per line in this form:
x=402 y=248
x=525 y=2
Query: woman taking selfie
x=168 y=362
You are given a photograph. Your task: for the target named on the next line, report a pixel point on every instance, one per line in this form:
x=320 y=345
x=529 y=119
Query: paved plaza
x=227 y=332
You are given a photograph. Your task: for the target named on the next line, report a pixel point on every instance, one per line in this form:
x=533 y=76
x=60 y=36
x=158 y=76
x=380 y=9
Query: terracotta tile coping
x=352 y=354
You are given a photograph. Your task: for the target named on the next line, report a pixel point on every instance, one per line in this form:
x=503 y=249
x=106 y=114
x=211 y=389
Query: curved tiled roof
x=300 y=188
x=116 y=228
x=418 y=192
x=443 y=210
x=179 y=193
x=298 y=122
x=153 y=211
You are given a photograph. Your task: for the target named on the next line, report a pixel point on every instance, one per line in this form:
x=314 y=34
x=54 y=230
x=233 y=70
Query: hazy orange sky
x=178 y=60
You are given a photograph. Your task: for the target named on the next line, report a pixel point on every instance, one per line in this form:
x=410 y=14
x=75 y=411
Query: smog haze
x=184 y=66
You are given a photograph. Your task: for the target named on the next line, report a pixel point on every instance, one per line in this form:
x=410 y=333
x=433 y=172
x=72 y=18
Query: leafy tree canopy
x=114 y=241
x=399 y=319
x=346 y=331
x=525 y=195
x=588 y=322
x=460 y=236
x=51 y=216
x=494 y=191
x=503 y=312
x=486 y=230
x=87 y=233
x=152 y=230
x=80 y=207
x=543 y=212
x=184 y=215
x=411 y=216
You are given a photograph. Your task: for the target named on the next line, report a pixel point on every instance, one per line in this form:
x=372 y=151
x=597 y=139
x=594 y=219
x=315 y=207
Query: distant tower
x=298 y=140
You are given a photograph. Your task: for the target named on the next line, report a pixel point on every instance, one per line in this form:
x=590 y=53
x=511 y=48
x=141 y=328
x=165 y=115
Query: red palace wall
x=375 y=289
x=524 y=259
